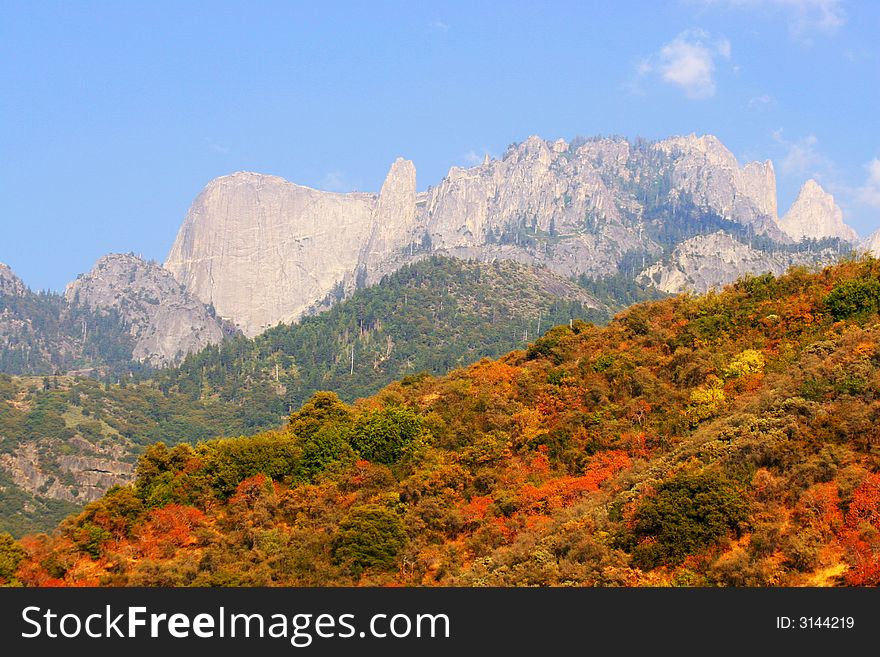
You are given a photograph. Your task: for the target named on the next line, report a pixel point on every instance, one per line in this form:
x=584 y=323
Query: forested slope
x=728 y=439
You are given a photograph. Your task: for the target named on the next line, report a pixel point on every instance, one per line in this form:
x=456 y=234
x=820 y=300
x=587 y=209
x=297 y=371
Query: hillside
x=727 y=439
x=65 y=440
x=432 y=316
x=41 y=333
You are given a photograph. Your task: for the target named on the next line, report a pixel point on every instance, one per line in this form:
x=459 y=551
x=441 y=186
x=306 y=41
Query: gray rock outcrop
x=89 y=476
x=712 y=261
x=815 y=215
x=10 y=284
x=165 y=321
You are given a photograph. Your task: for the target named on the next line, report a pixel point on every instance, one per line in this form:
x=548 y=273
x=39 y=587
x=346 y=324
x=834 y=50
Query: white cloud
x=335 y=181
x=869 y=193
x=762 y=102
x=440 y=25
x=805 y=17
x=801 y=157
x=688 y=62
x=723 y=47
x=813 y=15
x=217 y=148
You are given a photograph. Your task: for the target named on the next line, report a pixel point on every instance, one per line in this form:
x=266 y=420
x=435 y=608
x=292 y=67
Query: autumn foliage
x=728 y=439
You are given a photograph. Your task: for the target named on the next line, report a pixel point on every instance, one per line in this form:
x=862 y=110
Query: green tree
x=860 y=296
x=326 y=446
x=228 y=462
x=11 y=555
x=323 y=408
x=687 y=513
x=370 y=536
x=383 y=435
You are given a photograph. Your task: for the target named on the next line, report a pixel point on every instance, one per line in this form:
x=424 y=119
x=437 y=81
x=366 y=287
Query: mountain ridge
x=124 y=315
x=264 y=250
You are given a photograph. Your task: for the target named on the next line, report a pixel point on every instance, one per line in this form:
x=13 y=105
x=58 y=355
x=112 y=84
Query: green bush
x=11 y=555
x=322 y=409
x=687 y=513
x=370 y=536
x=229 y=461
x=157 y=470
x=856 y=297
x=325 y=447
x=383 y=435
x=90 y=538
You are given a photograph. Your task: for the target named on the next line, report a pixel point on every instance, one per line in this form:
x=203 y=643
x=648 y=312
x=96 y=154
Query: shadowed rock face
x=10 y=284
x=815 y=215
x=166 y=322
x=263 y=250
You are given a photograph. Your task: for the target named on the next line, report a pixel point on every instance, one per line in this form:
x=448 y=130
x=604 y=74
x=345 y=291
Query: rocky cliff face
x=872 y=244
x=264 y=250
x=10 y=284
x=712 y=261
x=815 y=215
x=702 y=168
x=392 y=225
x=87 y=477
x=164 y=320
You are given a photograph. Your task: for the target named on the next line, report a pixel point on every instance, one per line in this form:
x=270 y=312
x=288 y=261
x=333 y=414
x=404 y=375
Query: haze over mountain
x=872 y=243
x=263 y=250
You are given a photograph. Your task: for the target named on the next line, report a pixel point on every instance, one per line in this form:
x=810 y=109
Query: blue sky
x=114 y=115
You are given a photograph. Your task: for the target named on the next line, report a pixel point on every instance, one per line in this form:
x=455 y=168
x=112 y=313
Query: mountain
x=268 y=248
x=122 y=317
x=872 y=244
x=727 y=439
x=42 y=333
x=263 y=250
x=814 y=215
x=165 y=321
